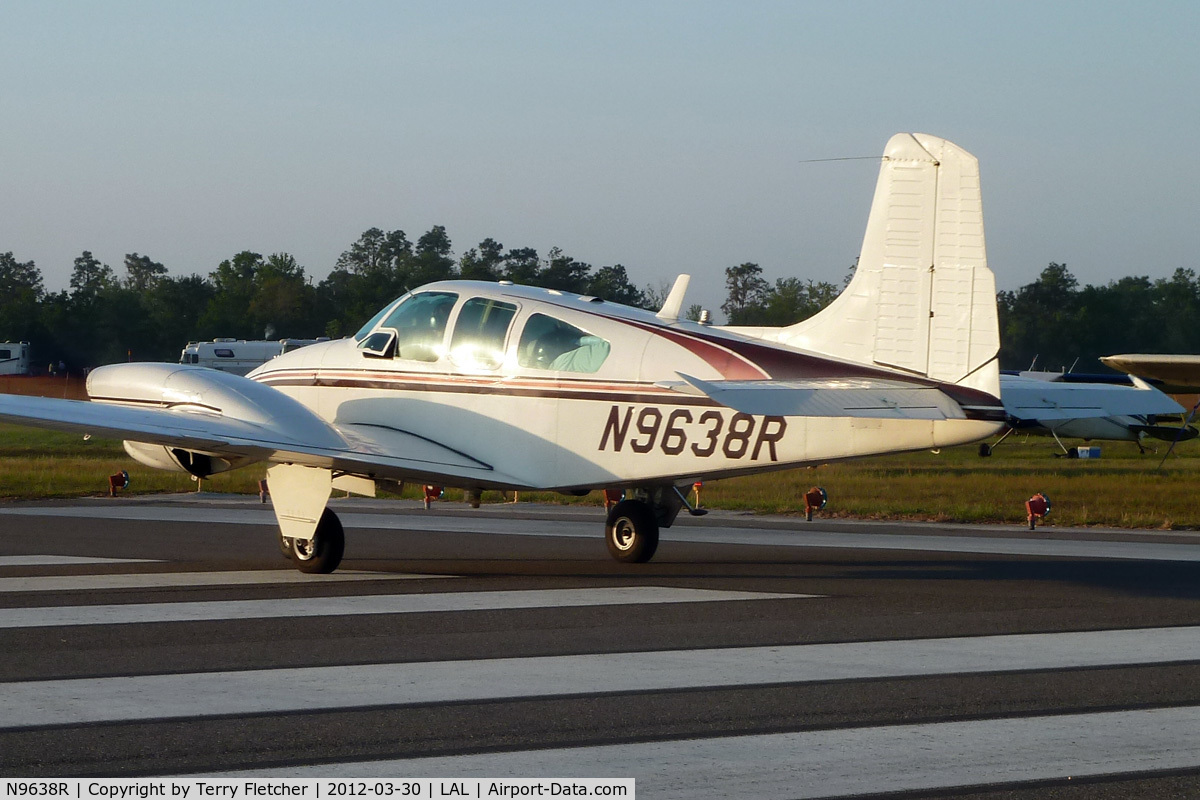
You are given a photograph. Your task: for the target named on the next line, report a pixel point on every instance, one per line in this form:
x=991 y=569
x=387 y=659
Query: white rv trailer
x=239 y=356
x=14 y=358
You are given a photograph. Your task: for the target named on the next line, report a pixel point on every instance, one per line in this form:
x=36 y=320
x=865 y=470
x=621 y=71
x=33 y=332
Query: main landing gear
x=986 y=449
x=631 y=530
x=321 y=554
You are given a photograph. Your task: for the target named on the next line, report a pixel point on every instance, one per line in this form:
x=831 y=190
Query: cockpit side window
x=479 y=333
x=549 y=343
x=420 y=325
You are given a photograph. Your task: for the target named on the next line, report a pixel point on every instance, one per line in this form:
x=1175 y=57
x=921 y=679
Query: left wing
x=840 y=397
x=283 y=432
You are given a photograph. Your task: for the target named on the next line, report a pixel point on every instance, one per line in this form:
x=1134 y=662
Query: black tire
x=323 y=554
x=285 y=546
x=631 y=532
x=985 y=450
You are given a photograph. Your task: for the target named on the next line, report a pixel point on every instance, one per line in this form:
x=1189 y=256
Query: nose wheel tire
x=631 y=532
x=323 y=552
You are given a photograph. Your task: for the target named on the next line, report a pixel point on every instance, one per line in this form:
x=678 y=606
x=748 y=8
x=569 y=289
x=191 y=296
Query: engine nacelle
x=176 y=459
x=254 y=419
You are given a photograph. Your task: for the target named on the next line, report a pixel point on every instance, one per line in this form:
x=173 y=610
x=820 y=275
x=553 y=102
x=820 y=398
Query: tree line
x=147 y=314
x=1061 y=323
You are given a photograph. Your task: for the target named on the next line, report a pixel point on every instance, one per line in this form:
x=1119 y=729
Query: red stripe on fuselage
x=742 y=360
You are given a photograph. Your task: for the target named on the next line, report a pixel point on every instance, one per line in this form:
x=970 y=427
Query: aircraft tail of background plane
x=922 y=299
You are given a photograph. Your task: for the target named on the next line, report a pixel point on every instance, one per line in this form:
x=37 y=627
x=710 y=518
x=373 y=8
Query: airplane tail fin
x=922 y=299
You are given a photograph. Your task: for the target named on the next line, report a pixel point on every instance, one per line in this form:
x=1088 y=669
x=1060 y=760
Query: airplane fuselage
x=1121 y=428
x=558 y=421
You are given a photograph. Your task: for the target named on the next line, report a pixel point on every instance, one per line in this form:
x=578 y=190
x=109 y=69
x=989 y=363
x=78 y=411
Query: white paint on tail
x=922 y=300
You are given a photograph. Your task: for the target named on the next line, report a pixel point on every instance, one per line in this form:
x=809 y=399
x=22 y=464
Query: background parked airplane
x=1064 y=405
x=1178 y=373
x=1173 y=373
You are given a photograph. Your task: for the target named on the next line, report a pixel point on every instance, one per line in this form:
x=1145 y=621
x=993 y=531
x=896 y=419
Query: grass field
x=1123 y=488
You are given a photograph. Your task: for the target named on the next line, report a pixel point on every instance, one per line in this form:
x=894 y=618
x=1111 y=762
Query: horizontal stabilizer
x=846 y=397
x=1031 y=398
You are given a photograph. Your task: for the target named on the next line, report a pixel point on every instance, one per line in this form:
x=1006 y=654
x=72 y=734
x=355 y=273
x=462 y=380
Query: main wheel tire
x=631 y=532
x=324 y=552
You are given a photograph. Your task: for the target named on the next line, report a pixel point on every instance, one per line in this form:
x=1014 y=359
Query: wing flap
x=863 y=397
x=380 y=441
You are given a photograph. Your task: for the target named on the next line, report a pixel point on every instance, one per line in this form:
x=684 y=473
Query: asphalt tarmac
x=754 y=657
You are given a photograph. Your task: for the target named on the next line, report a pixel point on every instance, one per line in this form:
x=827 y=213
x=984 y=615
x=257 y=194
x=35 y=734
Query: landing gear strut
x=323 y=552
x=986 y=449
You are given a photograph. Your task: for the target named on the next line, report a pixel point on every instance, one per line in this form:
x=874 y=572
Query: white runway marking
x=732 y=533
x=840 y=763
x=158 y=580
x=58 y=561
x=76 y=701
x=307 y=607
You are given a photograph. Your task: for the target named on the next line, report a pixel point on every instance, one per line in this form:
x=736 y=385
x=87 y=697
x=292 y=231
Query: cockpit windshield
x=420 y=325
x=373 y=321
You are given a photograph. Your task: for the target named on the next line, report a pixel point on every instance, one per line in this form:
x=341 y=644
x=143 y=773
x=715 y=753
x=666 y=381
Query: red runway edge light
x=119 y=480
x=432 y=493
x=814 y=500
x=1037 y=507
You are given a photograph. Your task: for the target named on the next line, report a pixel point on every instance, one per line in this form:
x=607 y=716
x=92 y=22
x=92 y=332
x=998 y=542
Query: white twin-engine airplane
x=496 y=386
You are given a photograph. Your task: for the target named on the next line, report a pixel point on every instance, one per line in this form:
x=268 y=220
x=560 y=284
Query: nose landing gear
x=322 y=553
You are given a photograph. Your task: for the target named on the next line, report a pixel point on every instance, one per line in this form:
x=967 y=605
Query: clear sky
x=664 y=136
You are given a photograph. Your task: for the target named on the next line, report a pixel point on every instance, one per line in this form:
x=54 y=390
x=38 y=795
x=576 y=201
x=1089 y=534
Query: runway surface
x=754 y=657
